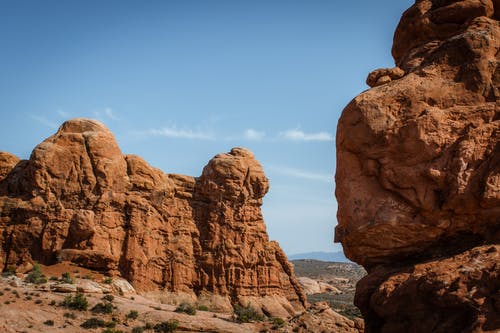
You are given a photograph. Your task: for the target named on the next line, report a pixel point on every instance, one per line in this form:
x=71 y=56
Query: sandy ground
x=26 y=308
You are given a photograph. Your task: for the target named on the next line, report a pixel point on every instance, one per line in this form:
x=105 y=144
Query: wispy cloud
x=298 y=135
x=304 y=174
x=254 y=135
x=107 y=113
x=173 y=132
x=44 y=121
x=63 y=114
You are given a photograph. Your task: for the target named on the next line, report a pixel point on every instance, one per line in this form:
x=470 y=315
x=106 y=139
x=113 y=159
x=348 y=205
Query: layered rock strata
x=418 y=175
x=79 y=199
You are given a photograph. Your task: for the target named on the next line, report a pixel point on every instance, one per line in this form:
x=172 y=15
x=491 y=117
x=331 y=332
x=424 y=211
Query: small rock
x=123 y=286
x=92 y=287
x=64 y=288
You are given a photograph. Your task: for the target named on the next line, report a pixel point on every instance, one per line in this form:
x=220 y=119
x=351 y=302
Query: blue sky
x=180 y=81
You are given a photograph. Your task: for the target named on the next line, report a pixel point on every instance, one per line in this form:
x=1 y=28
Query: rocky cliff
x=79 y=199
x=418 y=174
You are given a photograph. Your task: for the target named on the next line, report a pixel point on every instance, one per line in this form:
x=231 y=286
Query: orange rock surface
x=418 y=173
x=79 y=199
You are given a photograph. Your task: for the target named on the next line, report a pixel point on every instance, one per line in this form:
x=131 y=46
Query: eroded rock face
x=79 y=199
x=418 y=167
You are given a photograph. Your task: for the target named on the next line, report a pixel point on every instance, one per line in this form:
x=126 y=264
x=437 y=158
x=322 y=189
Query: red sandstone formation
x=418 y=175
x=79 y=199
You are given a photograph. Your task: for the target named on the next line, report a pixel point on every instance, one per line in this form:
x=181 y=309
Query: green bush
x=166 y=326
x=49 y=322
x=185 y=307
x=103 y=308
x=66 y=278
x=108 y=297
x=11 y=270
x=93 y=323
x=69 y=315
x=76 y=302
x=36 y=276
x=52 y=302
x=138 y=329
x=246 y=314
x=108 y=280
x=202 y=307
x=133 y=314
x=277 y=322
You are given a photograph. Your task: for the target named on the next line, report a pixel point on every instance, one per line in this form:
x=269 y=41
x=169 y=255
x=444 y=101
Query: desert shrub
x=103 y=308
x=138 y=329
x=52 y=302
x=49 y=322
x=185 y=307
x=76 y=302
x=202 y=307
x=351 y=313
x=38 y=301
x=133 y=314
x=277 y=322
x=36 y=276
x=166 y=326
x=246 y=314
x=66 y=278
x=11 y=270
x=29 y=298
x=69 y=315
x=109 y=298
x=108 y=280
x=93 y=323
x=88 y=277
x=6 y=302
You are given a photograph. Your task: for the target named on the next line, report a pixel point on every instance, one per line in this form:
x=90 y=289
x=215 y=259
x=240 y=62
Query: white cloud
x=323 y=177
x=105 y=113
x=298 y=135
x=44 y=121
x=108 y=112
x=254 y=135
x=173 y=132
x=63 y=114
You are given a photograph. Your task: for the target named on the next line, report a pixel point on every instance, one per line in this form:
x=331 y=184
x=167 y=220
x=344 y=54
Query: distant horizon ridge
x=337 y=256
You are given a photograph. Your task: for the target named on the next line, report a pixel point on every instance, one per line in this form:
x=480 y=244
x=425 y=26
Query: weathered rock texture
x=418 y=175
x=79 y=199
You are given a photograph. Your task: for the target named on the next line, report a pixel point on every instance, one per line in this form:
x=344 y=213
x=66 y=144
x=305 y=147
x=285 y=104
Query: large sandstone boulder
x=79 y=199
x=418 y=172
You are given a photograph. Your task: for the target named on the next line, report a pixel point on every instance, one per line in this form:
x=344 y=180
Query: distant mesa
x=79 y=199
x=321 y=256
